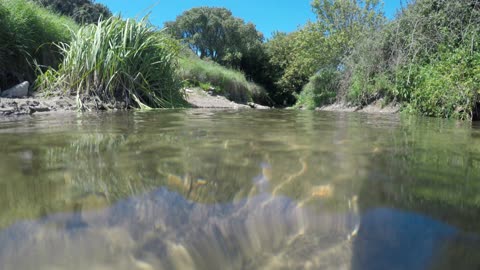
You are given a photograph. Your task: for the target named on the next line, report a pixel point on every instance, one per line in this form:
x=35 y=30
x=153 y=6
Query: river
x=220 y=189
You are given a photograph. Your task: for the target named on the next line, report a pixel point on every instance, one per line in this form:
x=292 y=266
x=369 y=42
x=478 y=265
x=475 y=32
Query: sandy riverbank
x=197 y=98
x=375 y=107
x=35 y=104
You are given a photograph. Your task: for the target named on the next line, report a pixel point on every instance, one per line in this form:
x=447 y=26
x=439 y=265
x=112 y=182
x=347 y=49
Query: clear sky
x=267 y=15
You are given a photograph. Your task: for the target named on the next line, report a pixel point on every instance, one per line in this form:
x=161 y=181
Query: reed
x=128 y=63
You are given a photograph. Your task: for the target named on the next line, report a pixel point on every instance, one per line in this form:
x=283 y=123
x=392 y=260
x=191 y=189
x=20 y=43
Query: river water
x=203 y=189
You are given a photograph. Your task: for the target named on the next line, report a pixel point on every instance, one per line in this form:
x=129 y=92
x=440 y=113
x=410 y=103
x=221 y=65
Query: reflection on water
x=200 y=189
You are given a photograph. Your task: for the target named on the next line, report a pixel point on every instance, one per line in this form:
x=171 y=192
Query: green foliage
x=118 y=61
x=82 y=11
x=327 y=43
x=350 y=16
x=320 y=90
x=296 y=57
x=426 y=26
x=424 y=58
x=448 y=87
x=26 y=35
x=367 y=76
x=216 y=34
x=228 y=82
x=206 y=86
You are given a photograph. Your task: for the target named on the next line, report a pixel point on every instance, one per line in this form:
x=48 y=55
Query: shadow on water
x=420 y=202
x=207 y=189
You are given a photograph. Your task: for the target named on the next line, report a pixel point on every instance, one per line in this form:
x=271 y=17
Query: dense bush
x=294 y=58
x=367 y=75
x=231 y=83
x=26 y=35
x=448 y=86
x=329 y=43
x=320 y=90
x=125 y=62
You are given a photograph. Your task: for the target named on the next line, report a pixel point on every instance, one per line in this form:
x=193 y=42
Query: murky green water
x=199 y=189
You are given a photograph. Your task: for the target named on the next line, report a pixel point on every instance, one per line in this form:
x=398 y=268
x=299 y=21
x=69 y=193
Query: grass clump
x=209 y=75
x=27 y=34
x=126 y=63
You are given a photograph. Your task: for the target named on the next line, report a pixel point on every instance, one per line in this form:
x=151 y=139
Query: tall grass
x=27 y=32
x=231 y=83
x=125 y=62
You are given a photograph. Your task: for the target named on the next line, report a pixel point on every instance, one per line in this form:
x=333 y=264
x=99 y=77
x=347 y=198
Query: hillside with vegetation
x=217 y=79
x=27 y=36
x=82 y=11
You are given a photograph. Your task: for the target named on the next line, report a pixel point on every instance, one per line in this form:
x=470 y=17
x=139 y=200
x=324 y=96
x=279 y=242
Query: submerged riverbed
x=213 y=189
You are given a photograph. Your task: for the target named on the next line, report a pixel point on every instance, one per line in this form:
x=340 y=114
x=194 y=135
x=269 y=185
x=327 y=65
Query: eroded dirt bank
x=198 y=98
x=375 y=107
x=35 y=104
x=38 y=103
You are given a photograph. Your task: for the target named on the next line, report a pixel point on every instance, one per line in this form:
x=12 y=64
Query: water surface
x=202 y=189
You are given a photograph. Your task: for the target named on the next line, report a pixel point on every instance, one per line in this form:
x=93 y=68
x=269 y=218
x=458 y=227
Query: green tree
x=321 y=45
x=323 y=48
x=295 y=57
x=345 y=21
x=427 y=58
x=82 y=11
x=216 y=34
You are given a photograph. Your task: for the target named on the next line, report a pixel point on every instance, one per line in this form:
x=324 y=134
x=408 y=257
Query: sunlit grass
x=27 y=32
x=126 y=62
x=228 y=82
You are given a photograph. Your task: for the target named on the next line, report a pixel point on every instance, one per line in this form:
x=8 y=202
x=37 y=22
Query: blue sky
x=267 y=15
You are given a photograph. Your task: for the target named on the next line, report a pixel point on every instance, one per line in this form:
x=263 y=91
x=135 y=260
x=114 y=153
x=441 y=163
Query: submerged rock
x=18 y=91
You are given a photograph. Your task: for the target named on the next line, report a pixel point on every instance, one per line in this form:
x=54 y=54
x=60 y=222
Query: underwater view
x=228 y=189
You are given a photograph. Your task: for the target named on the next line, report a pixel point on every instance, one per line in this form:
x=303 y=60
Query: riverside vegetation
x=427 y=58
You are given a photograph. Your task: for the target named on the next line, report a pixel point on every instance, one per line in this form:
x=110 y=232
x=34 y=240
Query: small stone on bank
x=18 y=91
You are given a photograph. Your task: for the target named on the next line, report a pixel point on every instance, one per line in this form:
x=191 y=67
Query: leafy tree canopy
x=82 y=11
x=322 y=44
x=216 y=34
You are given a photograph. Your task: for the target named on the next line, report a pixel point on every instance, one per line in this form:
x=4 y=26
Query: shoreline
x=197 y=98
x=376 y=107
x=35 y=104
x=200 y=99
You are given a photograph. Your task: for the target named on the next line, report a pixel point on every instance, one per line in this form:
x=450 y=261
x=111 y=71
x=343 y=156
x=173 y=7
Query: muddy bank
x=35 y=104
x=375 y=107
x=38 y=103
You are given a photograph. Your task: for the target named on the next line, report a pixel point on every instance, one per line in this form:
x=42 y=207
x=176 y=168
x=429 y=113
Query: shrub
x=125 y=62
x=320 y=90
x=231 y=83
x=27 y=33
x=448 y=86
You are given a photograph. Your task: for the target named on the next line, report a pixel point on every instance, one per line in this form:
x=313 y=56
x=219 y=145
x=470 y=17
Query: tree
x=82 y=11
x=216 y=34
x=347 y=20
